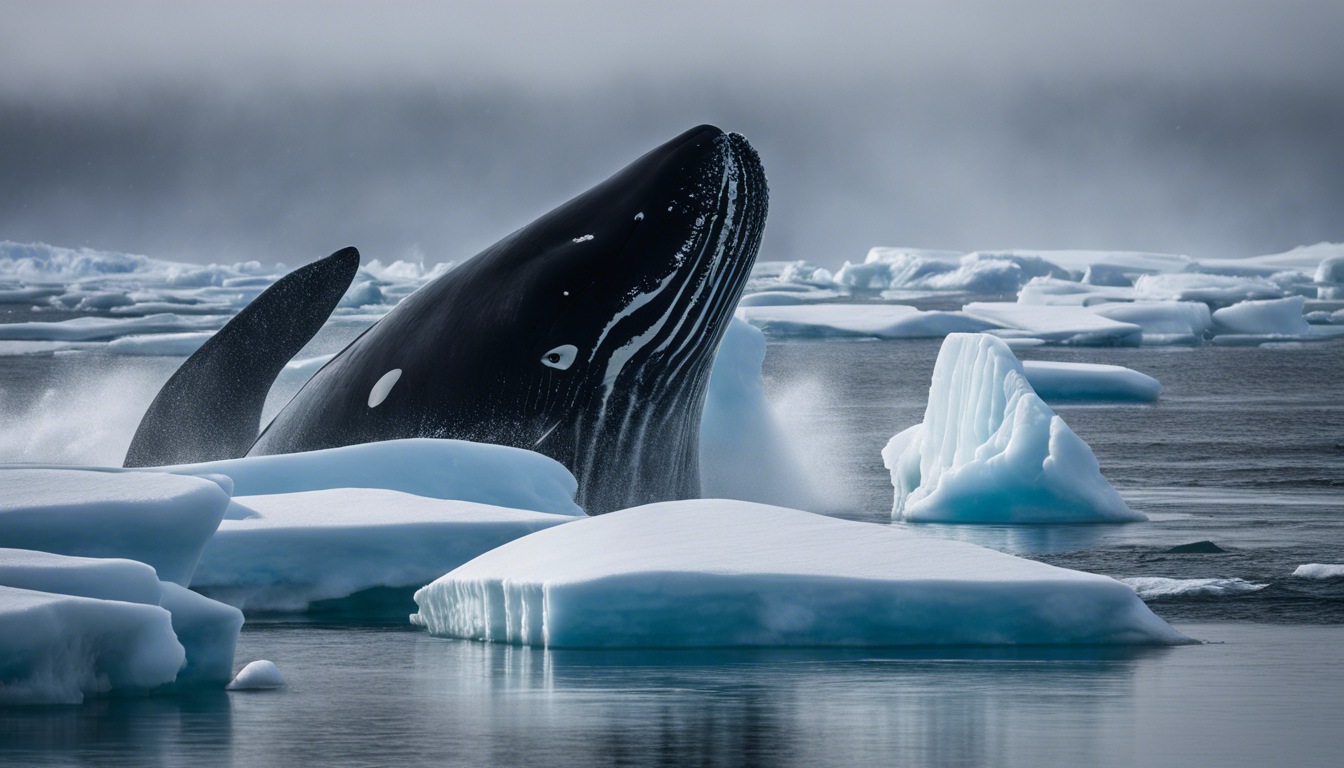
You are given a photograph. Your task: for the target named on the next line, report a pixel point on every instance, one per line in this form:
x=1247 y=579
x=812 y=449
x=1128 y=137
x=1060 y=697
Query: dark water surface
x=1261 y=695
x=1245 y=448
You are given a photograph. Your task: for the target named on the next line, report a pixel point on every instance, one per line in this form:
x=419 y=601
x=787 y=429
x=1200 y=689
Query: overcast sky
x=228 y=131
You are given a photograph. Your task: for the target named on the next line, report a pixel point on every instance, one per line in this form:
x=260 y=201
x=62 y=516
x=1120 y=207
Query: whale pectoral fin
x=211 y=407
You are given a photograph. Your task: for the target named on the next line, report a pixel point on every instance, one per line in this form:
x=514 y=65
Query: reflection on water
x=368 y=695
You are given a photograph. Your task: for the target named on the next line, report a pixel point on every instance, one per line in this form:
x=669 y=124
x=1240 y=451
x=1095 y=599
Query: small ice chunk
x=1319 y=571
x=991 y=451
x=259 y=675
x=1153 y=587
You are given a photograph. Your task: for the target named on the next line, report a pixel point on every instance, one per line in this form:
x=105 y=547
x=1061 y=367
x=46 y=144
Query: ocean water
x=1245 y=449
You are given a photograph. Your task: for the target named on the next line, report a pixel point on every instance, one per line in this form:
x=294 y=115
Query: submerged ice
x=991 y=451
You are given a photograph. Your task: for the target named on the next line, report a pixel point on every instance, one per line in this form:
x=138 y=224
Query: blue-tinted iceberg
x=991 y=451
x=319 y=545
x=729 y=573
x=160 y=519
x=441 y=469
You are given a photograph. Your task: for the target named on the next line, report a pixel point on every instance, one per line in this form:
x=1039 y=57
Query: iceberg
x=57 y=649
x=1089 y=381
x=205 y=629
x=321 y=545
x=159 y=519
x=1052 y=291
x=440 y=469
x=881 y=321
x=991 y=451
x=261 y=675
x=719 y=573
x=1277 y=316
x=1319 y=571
x=1058 y=324
x=744 y=453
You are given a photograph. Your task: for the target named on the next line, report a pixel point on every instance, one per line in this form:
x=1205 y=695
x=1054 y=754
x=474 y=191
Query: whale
x=587 y=335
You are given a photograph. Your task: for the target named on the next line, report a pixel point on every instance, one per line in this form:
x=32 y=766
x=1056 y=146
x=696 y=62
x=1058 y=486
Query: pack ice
x=991 y=451
x=882 y=321
x=712 y=572
x=319 y=545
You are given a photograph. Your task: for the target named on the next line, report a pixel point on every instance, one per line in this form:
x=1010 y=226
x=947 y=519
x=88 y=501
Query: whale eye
x=561 y=357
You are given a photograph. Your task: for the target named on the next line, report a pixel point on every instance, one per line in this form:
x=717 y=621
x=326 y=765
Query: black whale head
x=587 y=335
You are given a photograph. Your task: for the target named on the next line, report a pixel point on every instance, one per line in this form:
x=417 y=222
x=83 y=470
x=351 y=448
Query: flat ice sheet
x=712 y=572
x=321 y=545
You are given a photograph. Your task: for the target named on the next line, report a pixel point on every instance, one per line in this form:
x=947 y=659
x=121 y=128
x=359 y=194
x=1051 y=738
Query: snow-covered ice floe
x=881 y=321
x=1319 y=571
x=1156 y=587
x=260 y=675
x=440 y=469
x=713 y=572
x=991 y=451
x=1217 y=289
x=74 y=626
x=160 y=519
x=1089 y=381
x=320 y=545
x=744 y=453
x=167 y=344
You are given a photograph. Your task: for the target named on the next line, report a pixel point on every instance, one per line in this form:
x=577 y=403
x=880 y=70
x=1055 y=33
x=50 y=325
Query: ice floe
x=160 y=519
x=1154 y=587
x=320 y=545
x=991 y=451
x=1089 y=381
x=714 y=572
x=1319 y=571
x=881 y=321
x=1276 y=316
x=440 y=469
x=1057 y=324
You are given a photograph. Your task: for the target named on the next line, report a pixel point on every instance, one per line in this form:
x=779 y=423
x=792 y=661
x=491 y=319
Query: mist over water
x=1206 y=128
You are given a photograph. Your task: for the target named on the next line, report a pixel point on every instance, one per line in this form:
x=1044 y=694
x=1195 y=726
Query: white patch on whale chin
x=383 y=387
x=561 y=357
